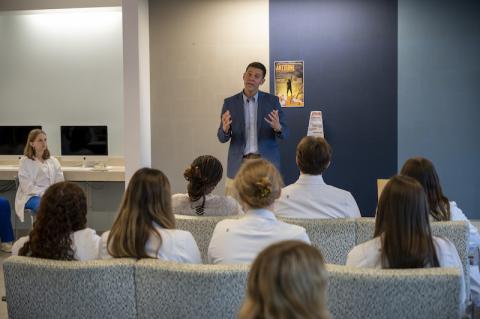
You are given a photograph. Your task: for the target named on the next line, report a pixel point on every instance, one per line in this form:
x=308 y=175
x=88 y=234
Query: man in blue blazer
x=252 y=121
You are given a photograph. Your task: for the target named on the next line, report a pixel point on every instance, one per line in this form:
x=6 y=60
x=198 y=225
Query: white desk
x=77 y=174
x=103 y=196
x=87 y=174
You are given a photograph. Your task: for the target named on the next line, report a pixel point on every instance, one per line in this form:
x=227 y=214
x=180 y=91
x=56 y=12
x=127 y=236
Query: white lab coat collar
x=260 y=212
x=308 y=179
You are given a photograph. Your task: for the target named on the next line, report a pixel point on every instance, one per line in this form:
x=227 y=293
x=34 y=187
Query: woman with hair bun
x=287 y=280
x=203 y=175
x=258 y=184
x=60 y=231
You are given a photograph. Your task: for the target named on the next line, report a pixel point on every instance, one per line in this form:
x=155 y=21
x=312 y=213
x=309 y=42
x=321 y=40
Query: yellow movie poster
x=289 y=83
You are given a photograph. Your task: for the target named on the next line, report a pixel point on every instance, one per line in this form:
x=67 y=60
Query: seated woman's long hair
x=62 y=211
x=286 y=281
x=147 y=200
x=403 y=225
x=424 y=172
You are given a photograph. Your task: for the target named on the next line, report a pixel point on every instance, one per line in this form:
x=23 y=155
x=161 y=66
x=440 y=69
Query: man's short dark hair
x=257 y=65
x=313 y=155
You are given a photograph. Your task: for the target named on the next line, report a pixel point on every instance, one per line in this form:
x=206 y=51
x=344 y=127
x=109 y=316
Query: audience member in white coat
x=203 y=175
x=310 y=196
x=38 y=170
x=441 y=209
x=300 y=271
x=258 y=184
x=145 y=224
x=402 y=237
x=60 y=231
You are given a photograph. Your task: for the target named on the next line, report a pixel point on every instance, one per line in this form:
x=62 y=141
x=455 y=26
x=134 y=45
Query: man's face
x=252 y=79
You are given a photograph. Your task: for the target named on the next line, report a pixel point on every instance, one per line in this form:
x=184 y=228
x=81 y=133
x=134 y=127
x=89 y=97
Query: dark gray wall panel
x=350 y=54
x=439 y=93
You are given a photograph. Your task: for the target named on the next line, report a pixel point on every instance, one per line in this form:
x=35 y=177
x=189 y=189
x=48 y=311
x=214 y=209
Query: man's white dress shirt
x=311 y=197
x=251 y=136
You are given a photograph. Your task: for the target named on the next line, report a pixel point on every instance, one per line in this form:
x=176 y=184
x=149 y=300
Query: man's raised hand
x=226 y=121
x=274 y=121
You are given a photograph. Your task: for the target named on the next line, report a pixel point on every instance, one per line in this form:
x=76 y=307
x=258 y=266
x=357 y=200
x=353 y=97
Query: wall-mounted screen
x=84 y=140
x=13 y=138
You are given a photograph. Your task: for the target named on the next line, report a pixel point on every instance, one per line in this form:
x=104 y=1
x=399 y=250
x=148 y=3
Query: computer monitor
x=83 y=140
x=13 y=139
x=85 y=144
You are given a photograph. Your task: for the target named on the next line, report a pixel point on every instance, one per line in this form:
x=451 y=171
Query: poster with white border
x=289 y=83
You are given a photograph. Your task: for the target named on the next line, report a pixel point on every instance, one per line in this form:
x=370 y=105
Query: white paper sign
x=315 y=124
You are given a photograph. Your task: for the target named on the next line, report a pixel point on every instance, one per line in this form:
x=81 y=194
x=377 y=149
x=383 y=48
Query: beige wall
x=198 y=53
x=63 y=67
x=55 y=4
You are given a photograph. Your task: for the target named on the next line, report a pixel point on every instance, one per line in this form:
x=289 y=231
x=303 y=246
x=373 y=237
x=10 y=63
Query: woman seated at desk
x=38 y=170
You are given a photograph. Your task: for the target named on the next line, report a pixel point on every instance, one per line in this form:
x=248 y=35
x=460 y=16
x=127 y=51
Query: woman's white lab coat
x=29 y=174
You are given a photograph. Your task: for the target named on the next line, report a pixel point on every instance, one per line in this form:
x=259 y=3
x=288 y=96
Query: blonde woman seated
x=258 y=184
x=203 y=175
x=60 y=229
x=287 y=280
x=145 y=225
x=38 y=170
x=402 y=237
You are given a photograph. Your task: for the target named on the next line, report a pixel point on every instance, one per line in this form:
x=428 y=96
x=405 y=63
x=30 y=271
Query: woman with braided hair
x=203 y=175
x=258 y=184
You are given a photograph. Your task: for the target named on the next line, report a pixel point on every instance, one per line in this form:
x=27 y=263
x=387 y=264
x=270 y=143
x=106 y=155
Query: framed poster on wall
x=289 y=83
